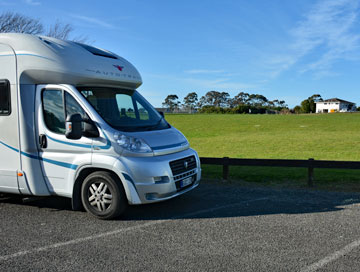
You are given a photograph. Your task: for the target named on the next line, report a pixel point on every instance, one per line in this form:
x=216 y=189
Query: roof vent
x=45 y=41
x=97 y=51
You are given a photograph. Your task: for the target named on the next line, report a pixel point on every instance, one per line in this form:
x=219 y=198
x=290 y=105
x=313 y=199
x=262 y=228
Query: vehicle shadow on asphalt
x=217 y=201
x=50 y=203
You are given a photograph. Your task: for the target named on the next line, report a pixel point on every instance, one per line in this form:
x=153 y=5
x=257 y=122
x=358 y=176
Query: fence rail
x=310 y=164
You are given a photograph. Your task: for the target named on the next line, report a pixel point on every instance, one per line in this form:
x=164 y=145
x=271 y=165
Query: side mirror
x=162 y=114
x=73 y=126
x=90 y=129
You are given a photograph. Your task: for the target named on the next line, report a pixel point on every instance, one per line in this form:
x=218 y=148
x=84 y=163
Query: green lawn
x=318 y=136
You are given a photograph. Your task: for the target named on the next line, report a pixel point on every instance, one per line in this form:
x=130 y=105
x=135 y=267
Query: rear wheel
x=103 y=195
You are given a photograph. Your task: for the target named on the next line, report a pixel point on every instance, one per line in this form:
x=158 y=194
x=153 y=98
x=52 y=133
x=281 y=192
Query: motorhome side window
x=54 y=113
x=5 y=105
x=73 y=107
x=55 y=110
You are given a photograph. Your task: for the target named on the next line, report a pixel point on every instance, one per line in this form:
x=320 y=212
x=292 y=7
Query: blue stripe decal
x=168 y=146
x=31 y=55
x=8 y=146
x=62 y=164
x=108 y=142
x=127 y=177
x=107 y=146
x=68 y=143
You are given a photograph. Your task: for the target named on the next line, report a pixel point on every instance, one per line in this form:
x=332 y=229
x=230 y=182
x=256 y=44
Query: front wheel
x=103 y=195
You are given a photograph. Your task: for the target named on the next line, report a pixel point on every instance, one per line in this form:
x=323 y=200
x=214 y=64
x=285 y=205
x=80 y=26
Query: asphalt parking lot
x=216 y=227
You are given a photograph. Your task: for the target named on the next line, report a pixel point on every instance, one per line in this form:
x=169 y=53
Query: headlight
x=131 y=143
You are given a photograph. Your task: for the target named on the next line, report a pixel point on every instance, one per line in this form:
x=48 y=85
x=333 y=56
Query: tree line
x=243 y=102
x=221 y=102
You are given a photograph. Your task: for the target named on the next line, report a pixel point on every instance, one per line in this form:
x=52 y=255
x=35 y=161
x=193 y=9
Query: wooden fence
x=310 y=164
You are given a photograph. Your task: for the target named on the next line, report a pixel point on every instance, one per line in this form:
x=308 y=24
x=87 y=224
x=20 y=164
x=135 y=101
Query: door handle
x=42 y=141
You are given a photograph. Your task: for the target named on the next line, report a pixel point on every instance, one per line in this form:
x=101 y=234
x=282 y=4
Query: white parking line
x=332 y=257
x=115 y=232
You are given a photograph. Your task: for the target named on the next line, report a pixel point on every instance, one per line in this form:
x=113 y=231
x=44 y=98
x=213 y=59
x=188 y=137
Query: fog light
x=163 y=179
x=151 y=196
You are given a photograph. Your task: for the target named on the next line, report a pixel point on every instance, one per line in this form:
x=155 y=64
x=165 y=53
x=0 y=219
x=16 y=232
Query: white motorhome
x=72 y=124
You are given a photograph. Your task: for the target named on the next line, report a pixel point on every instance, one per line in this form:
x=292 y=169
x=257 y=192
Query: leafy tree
x=316 y=97
x=215 y=98
x=202 y=102
x=282 y=104
x=257 y=100
x=190 y=101
x=240 y=99
x=211 y=98
x=271 y=104
x=305 y=106
x=308 y=105
x=171 y=102
x=275 y=103
x=297 y=109
x=223 y=99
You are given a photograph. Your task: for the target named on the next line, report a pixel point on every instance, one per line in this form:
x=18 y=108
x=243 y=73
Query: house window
x=5 y=101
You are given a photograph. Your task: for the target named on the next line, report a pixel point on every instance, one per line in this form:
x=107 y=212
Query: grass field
x=318 y=136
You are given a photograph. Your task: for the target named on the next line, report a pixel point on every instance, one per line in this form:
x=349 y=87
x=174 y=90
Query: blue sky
x=283 y=49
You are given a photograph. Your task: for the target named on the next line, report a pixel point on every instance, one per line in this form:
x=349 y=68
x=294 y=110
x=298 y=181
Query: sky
x=283 y=49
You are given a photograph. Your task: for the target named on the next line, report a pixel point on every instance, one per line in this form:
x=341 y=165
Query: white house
x=335 y=105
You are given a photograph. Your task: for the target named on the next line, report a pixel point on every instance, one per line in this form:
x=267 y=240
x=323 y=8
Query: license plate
x=185 y=182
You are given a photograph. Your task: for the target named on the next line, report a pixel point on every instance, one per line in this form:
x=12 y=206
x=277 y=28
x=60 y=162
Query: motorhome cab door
x=60 y=157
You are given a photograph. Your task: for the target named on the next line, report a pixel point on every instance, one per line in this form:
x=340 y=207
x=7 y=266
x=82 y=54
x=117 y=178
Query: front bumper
x=152 y=180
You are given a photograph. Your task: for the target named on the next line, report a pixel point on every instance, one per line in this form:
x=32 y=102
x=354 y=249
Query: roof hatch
x=97 y=51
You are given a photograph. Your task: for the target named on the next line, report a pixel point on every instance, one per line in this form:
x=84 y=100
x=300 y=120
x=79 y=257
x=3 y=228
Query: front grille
x=185 y=175
x=183 y=165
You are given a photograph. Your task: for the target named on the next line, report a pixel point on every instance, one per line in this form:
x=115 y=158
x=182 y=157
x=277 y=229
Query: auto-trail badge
x=120 y=68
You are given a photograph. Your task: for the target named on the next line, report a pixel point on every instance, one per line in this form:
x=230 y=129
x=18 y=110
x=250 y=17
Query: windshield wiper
x=157 y=124
x=149 y=127
x=140 y=128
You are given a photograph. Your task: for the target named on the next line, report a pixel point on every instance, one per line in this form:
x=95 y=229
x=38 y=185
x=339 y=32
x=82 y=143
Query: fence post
x=225 y=169
x=311 y=173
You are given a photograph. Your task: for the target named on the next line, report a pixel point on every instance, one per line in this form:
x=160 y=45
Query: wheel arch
x=83 y=173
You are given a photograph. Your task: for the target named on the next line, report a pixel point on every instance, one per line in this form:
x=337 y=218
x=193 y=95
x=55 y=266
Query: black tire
x=95 y=195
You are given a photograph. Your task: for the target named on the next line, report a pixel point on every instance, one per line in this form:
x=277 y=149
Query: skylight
x=97 y=51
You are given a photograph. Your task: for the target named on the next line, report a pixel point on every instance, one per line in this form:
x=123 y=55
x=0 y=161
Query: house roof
x=336 y=100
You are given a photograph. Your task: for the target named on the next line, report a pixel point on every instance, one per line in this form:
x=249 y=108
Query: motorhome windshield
x=124 y=110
